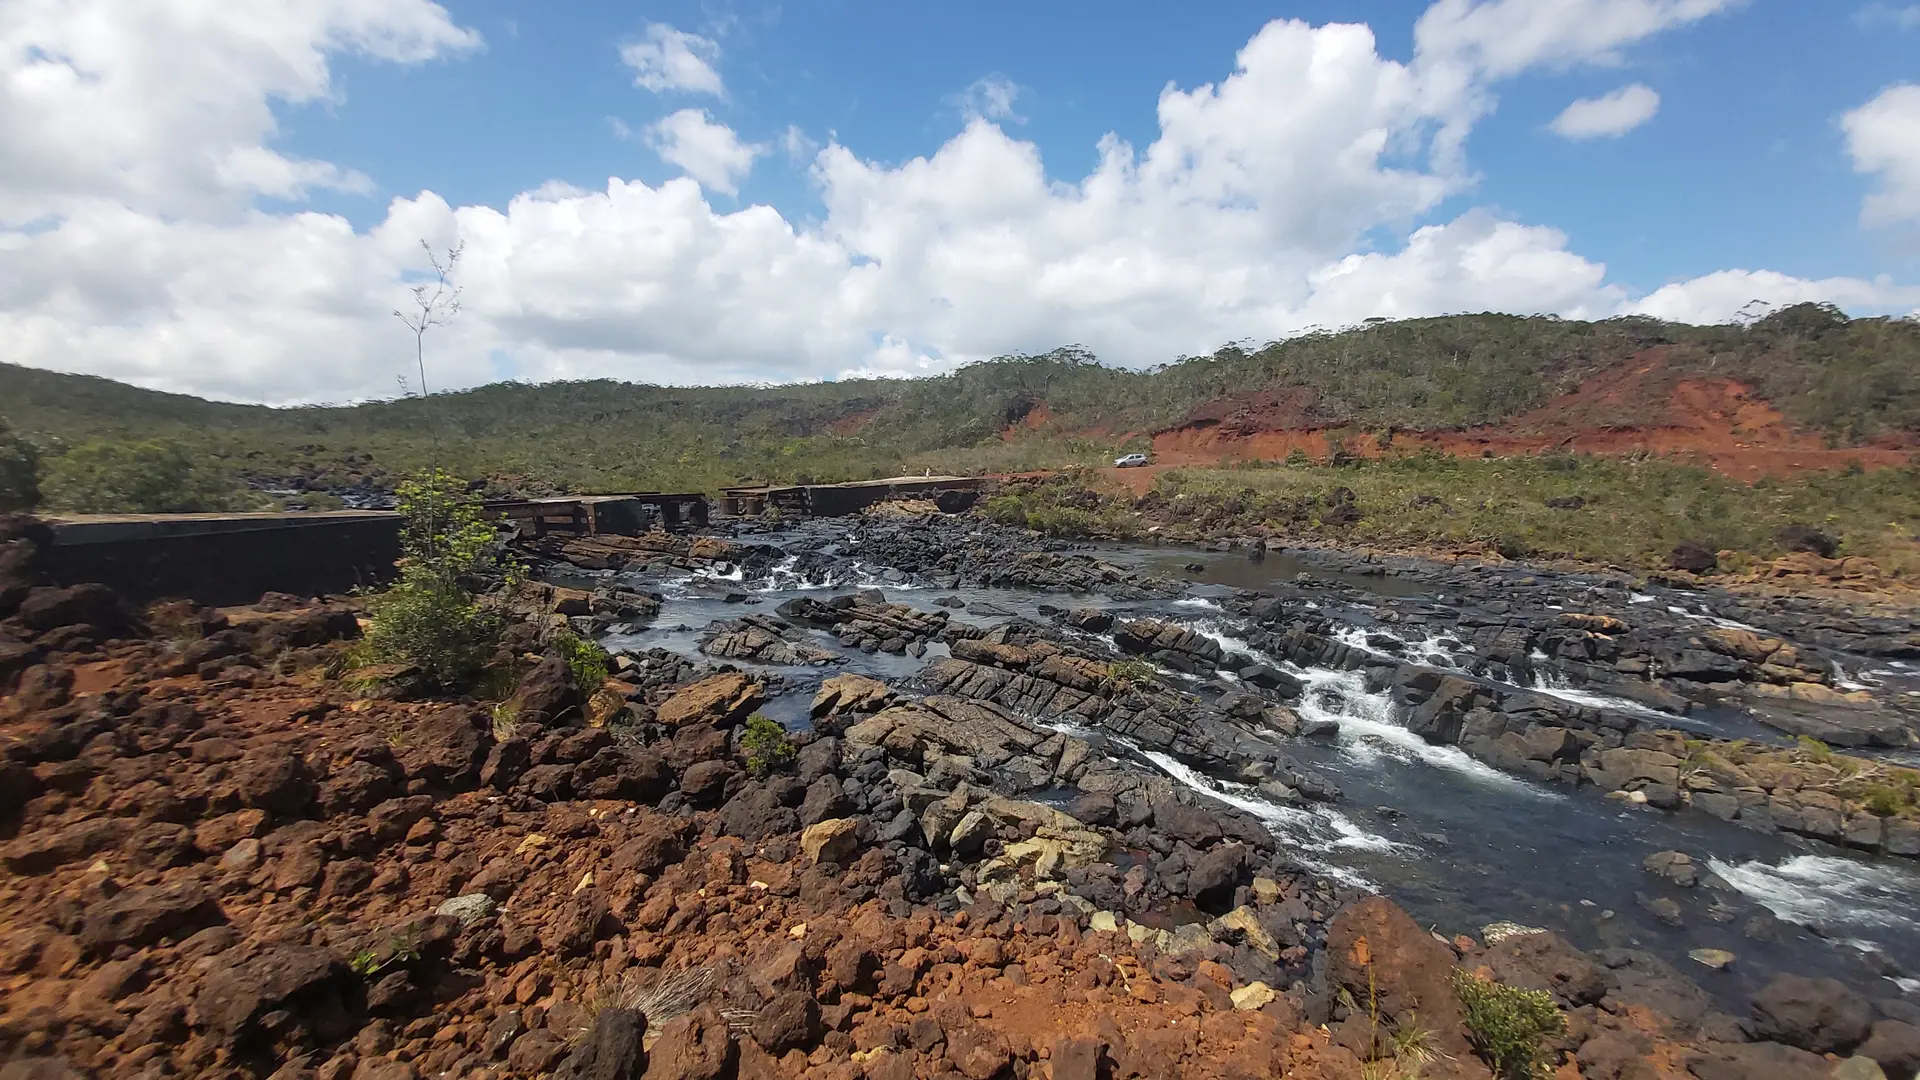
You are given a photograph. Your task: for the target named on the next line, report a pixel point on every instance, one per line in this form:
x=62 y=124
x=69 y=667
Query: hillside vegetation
x=1633 y=511
x=1853 y=380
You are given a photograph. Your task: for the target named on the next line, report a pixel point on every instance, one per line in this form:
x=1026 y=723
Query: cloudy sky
x=229 y=199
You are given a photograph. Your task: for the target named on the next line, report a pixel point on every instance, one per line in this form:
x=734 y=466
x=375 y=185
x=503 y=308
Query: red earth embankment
x=1638 y=406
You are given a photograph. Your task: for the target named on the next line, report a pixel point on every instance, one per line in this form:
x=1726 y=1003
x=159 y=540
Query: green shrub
x=440 y=629
x=1814 y=748
x=19 y=472
x=429 y=616
x=138 y=478
x=1123 y=675
x=1507 y=1024
x=589 y=663
x=767 y=744
x=1883 y=801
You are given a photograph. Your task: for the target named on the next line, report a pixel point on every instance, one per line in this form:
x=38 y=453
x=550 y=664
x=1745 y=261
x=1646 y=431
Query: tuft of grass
x=657 y=995
x=767 y=744
x=1508 y=1024
x=1124 y=675
x=506 y=718
x=1814 y=749
x=1414 y=1043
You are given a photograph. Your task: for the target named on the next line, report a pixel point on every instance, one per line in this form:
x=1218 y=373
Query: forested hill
x=1853 y=380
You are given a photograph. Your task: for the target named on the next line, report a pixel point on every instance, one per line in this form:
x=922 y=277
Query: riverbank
x=1032 y=817
x=1646 y=515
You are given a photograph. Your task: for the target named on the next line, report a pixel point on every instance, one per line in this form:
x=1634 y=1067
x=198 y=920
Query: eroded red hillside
x=1642 y=405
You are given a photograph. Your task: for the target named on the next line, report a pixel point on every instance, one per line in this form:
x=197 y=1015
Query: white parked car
x=1129 y=461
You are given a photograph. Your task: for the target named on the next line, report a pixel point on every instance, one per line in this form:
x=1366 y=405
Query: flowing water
x=1456 y=842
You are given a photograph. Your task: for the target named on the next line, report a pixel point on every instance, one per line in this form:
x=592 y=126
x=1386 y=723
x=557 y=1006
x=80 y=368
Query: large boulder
x=1215 y=875
x=788 y=1022
x=1395 y=971
x=1545 y=961
x=275 y=779
x=1439 y=718
x=1622 y=767
x=1756 y=1061
x=762 y=641
x=286 y=995
x=851 y=693
x=724 y=699
x=446 y=747
x=546 y=694
x=653 y=844
x=948 y=725
x=696 y=1046
x=756 y=814
x=613 y=1048
x=305 y=628
x=1896 y=1046
x=139 y=917
x=46 y=608
x=835 y=840
x=1170 y=642
x=1190 y=824
x=1819 y=1015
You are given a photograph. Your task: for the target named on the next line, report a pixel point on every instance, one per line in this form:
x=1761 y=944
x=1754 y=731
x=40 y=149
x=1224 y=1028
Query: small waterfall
x=1320 y=829
x=1368 y=720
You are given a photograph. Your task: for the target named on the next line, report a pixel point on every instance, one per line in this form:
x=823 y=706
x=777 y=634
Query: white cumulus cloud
x=1293 y=191
x=1506 y=37
x=1720 y=296
x=1609 y=115
x=167 y=106
x=674 y=60
x=707 y=151
x=1883 y=137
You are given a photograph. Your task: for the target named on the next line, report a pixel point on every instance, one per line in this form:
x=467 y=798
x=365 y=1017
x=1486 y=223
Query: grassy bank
x=1624 y=511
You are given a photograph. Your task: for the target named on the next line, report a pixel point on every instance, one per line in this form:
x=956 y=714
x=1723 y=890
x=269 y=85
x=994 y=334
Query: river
x=1456 y=842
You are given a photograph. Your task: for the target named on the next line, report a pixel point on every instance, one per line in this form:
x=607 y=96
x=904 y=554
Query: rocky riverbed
x=1045 y=812
x=1484 y=742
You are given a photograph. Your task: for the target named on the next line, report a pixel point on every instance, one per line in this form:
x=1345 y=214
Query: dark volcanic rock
x=447 y=747
x=284 y=995
x=1186 y=823
x=1820 y=1015
x=144 y=916
x=275 y=780
x=611 y=1050
x=693 y=1047
x=1547 y=962
x=1757 y=1061
x=46 y=609
x=755 y=814
x=789 y=1022
x=546 y=694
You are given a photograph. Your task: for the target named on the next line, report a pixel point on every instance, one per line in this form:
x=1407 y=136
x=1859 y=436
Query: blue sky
x=1743 y=166
x=231 y=202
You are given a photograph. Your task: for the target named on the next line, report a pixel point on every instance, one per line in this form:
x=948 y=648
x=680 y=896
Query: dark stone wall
x=222 y=564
